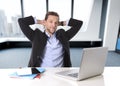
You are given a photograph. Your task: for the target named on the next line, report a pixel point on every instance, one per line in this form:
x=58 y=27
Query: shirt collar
x=49 y=35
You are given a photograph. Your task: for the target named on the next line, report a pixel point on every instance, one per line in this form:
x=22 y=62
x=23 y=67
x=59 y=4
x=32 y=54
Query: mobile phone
x=34 y=70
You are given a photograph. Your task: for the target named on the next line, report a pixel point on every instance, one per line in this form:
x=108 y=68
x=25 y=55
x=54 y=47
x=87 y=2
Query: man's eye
x=50 y=21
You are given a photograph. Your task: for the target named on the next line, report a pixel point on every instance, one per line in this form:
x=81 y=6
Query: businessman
x=50 y=48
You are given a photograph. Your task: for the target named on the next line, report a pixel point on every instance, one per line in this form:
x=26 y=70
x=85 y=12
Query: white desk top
x=110 y=77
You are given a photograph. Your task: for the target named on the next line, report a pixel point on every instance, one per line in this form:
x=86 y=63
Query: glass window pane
x=36 y=8
x=62 y=7
x=10 y=11
x=82 y=11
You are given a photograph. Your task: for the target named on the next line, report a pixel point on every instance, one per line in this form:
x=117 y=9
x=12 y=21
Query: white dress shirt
x=53 y=52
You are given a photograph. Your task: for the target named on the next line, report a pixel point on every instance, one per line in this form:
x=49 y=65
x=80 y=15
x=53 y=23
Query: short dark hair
x=51 y=13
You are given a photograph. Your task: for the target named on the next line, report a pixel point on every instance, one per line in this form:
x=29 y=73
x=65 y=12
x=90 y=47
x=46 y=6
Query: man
x=51 y=47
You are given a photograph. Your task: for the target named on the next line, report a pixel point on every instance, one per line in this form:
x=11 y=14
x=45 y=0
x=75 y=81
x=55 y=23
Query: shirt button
x=38 y=57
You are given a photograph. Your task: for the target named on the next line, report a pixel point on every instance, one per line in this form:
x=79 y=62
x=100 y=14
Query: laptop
x=91 y=65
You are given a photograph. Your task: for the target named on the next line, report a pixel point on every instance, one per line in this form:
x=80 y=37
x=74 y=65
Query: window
x=10 y=11
x=36 y=8
x=62 y=7
x=82 y=11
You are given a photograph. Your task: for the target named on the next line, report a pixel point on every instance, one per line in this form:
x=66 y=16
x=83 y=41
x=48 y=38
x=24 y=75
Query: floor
x=19 y=57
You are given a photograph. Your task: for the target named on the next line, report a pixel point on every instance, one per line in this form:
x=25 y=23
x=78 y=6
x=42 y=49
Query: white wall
x=112 y=24
x=93 y=27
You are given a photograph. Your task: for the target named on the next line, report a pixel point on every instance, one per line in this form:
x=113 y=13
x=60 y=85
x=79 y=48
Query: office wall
x=112 y=24
x=93 y=27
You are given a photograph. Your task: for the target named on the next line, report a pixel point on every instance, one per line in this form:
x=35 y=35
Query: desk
x=110 y=77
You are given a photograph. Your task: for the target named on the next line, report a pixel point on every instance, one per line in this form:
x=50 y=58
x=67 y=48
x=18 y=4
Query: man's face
x=51 y=24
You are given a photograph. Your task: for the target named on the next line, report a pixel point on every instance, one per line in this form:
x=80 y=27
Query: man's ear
x=44 y=22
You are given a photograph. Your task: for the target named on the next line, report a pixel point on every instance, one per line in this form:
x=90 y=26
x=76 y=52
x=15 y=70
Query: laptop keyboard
x=70 y=73
x=73 y=74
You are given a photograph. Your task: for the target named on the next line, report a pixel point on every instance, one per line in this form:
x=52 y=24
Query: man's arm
x=75 y=27
x=24 y=25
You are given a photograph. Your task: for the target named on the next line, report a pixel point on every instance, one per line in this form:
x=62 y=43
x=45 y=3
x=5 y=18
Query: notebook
x=91 y=65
